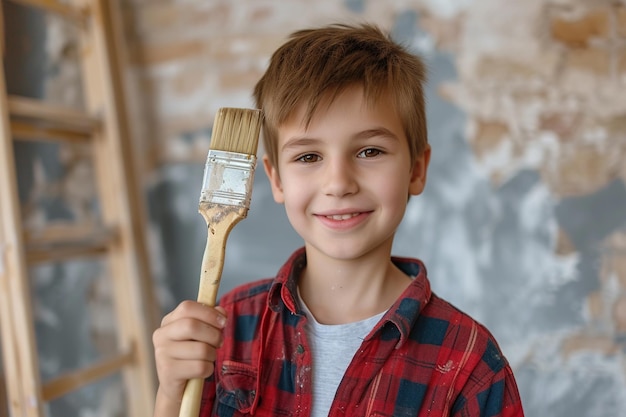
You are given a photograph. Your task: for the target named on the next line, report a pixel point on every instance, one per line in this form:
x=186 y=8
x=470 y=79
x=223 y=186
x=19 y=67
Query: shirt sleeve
x=497 y=397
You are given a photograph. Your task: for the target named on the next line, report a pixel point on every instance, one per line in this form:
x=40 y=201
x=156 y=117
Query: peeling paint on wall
x=522 y=221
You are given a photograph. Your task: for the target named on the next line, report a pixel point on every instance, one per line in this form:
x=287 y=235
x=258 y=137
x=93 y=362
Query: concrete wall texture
x=523 y=222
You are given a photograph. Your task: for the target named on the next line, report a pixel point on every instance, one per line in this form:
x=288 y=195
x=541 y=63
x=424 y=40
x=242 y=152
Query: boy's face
x=345 y=179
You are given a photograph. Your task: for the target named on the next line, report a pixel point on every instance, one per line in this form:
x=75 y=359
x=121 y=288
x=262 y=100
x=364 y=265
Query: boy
x=344 y=328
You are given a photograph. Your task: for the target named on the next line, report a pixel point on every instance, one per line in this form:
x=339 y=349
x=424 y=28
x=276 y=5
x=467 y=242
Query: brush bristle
x=236 y=130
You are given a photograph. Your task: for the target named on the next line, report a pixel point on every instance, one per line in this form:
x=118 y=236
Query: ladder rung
x=55 y=6
x=53 y=115
x=71 y=381
x=62 y=241
x=25 y=131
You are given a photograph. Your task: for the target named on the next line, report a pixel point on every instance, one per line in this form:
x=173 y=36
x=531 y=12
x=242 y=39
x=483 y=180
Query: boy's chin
x=346 y=253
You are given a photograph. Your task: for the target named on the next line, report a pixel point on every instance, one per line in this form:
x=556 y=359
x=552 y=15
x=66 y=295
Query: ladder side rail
x=105 y=97
x=18 y=334
x=118 y=55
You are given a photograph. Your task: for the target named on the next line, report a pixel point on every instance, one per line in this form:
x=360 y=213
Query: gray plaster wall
x=489 y=249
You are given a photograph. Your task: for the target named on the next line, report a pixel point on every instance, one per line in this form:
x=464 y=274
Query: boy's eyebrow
x=300 y=141
x=376 y=132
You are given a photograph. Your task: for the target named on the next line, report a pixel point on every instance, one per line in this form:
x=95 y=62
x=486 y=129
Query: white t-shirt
x=333 y=347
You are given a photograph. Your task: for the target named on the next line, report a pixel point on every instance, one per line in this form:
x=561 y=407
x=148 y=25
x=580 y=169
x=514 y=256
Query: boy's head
x=317 y=64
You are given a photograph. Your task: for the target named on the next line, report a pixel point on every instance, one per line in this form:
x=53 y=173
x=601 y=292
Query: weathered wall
x=523 y=223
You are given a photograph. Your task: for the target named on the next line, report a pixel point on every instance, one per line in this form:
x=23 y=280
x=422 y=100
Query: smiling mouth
x=342 y=216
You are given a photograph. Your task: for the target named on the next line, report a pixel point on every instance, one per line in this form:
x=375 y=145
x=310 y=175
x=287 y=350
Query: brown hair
x=318 y=63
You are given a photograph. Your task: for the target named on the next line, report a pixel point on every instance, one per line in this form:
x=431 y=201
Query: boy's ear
x=419 y=171
x=272 y=174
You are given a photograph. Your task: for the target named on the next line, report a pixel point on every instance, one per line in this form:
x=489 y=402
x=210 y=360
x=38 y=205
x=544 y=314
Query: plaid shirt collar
x=402 y=315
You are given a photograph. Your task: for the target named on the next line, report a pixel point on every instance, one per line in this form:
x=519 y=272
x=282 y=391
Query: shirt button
x=300 y=349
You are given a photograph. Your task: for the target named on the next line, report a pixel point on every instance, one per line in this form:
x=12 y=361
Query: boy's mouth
x=341 y=216
x=343 y=221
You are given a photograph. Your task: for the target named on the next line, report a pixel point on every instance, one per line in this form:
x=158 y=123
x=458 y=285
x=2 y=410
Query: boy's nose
x=340 y=179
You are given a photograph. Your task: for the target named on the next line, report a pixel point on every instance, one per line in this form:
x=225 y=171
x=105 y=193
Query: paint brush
x=224 y=201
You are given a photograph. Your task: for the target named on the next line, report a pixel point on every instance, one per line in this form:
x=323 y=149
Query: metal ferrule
x=228 y=178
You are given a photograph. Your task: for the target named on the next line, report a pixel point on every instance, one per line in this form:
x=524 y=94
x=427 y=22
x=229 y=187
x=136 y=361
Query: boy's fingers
x=191 y=350
x=185 y=370
x=184 y=360
x=190 y=329
x=215 y=316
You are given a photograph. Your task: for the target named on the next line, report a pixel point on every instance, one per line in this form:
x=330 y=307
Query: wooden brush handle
x=220 y=220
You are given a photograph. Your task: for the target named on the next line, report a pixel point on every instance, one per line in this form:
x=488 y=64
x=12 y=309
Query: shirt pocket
x=236 y=388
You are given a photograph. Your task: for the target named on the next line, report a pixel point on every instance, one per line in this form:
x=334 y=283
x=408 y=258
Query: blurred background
x=522 y=224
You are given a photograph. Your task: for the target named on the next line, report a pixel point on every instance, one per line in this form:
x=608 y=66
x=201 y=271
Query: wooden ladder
x=120 y=239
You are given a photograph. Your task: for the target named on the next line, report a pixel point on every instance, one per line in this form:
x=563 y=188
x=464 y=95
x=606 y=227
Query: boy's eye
x=369 y=153
x=309 y=157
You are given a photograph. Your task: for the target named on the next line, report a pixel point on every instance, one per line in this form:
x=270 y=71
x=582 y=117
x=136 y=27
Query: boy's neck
x=339 y=291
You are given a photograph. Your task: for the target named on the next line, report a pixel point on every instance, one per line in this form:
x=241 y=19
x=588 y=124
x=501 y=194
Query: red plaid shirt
x=424 y=358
